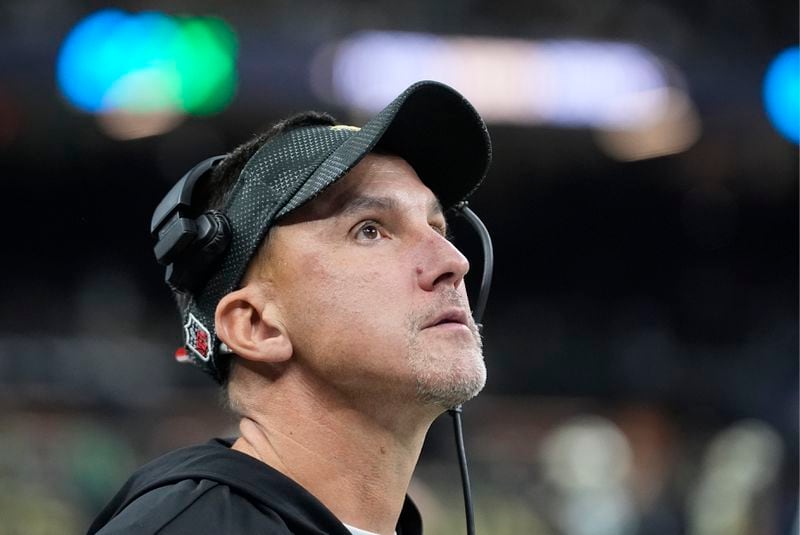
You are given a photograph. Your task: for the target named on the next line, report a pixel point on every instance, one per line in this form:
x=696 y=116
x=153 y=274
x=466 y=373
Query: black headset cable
x=477 y=314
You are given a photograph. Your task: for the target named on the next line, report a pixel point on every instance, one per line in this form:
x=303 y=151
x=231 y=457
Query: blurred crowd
x=540 y=466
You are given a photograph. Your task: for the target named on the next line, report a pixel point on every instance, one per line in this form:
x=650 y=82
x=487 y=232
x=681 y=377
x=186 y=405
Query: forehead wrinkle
x=363 y=202
x=347 y=197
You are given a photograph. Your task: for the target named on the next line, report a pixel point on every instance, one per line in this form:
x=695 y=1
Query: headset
x=190 y=244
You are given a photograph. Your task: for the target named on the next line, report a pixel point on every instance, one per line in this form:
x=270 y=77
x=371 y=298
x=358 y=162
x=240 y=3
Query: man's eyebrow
x=361 y=203
x=365 y=203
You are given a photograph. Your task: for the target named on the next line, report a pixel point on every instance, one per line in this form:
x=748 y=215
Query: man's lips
x=455 y=315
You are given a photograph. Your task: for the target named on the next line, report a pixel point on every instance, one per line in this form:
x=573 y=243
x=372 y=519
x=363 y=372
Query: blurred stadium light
x=142 y=72
x=621 y=89
x=588 y=461
x=782 y=93
x=675 y=130
x=741 y=463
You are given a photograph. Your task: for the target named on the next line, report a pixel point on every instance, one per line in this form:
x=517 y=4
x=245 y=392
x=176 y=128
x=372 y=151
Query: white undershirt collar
x=358 y=531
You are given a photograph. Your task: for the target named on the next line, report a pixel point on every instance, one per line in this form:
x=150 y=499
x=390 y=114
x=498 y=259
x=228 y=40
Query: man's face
x=371 y=292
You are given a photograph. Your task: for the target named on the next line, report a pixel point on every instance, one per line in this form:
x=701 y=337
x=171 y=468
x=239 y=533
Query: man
x=322 y=292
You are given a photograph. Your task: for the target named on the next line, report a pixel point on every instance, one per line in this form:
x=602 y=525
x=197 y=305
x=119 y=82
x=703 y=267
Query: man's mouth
x=449 y=317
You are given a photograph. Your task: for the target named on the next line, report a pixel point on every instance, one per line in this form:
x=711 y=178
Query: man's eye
x=369 y=232
x=441 y=229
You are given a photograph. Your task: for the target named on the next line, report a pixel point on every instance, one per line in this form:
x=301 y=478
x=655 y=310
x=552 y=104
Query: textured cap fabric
x=430 y=125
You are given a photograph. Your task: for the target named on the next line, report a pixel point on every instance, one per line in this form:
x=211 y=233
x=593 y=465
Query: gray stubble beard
x=463 y=381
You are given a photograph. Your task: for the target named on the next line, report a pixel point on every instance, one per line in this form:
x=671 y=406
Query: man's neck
x=356 y=458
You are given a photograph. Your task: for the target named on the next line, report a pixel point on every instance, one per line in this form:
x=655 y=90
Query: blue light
x=89 y=61
x=782 y=93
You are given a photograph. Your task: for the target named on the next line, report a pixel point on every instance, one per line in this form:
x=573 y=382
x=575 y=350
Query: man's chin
x=447 y=374
x=453 y=390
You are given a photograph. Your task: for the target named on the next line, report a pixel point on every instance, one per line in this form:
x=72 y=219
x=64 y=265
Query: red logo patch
x=197 y=338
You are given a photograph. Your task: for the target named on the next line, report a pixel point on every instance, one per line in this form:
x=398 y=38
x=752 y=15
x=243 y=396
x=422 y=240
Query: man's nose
x=440 y=263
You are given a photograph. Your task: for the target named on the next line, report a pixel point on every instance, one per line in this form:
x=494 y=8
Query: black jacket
x=212 y=489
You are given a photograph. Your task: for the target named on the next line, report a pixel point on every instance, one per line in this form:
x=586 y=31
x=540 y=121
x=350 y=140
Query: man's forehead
x=379 y=181
x=366 y=201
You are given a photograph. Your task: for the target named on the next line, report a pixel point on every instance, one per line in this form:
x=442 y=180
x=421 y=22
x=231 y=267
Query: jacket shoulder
x=199 y=507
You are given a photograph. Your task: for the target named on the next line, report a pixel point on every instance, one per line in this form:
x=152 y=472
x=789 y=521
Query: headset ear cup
x=218 y=236
x=189 y=271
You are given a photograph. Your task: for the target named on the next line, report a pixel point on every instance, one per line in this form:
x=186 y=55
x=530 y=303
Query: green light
x=204 y=58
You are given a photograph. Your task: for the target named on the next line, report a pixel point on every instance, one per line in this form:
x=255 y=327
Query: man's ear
x=249 y=325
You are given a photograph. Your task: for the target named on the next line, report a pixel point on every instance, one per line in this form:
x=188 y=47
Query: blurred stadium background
x=642 y=332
